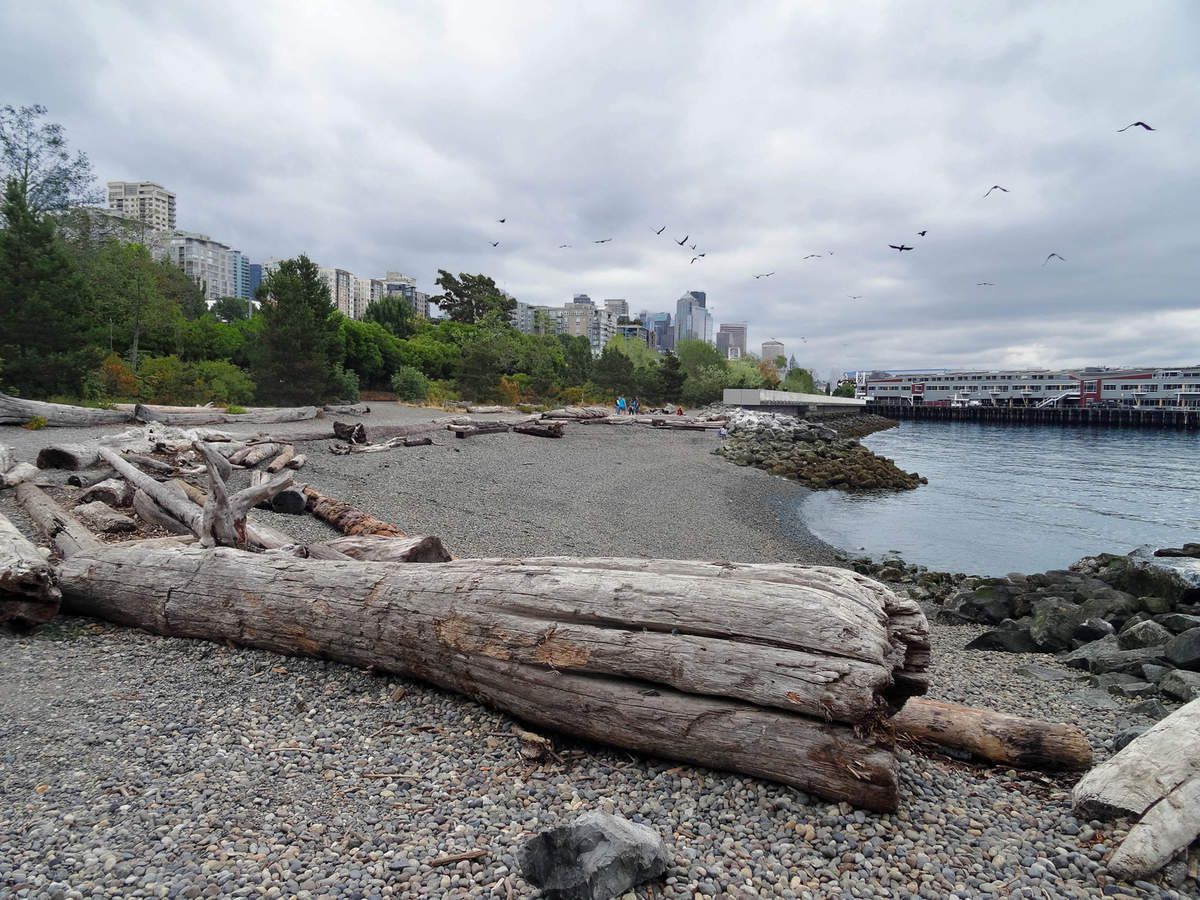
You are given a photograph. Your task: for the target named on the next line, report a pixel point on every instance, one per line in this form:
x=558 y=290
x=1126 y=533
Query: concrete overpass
x=791 y=403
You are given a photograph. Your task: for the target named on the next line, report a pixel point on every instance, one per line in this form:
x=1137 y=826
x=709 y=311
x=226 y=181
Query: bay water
x=1018 y=499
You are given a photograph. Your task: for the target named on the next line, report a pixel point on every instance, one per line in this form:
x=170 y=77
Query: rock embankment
x=811 y=453
x=1134 y=626
x=859 y=425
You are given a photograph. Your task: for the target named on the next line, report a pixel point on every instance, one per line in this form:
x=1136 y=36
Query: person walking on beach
x=621 y=405
x=635 y=407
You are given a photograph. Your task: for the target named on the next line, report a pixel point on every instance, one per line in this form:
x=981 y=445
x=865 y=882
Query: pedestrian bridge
x=792 y=403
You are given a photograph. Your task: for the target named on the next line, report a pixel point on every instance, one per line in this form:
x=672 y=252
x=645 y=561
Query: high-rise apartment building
x=341 y=288
x=617 y=307
x=366 y=292
x=582 y=317
x=731 y=339
x=772 y=349
x=692 y=320
x=207 y=262
x=146 y=202
x=239 y=274
x=406 y=286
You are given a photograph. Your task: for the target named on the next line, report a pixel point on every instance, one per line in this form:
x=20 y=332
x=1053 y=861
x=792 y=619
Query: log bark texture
x=153 y=514
x=285 y=456
x=113 y=491
x=29 y=593
x=63 y=529
x=540 y=429
x=348 y=519
x=202 y=415
x=588 y=650
x=8 y=459
x=347 y=409
x=19 y=474
x=1146 y=770
x=16 y=411
x=104 y=518
x=994 y=737
x=351 y=434
x=374 y=548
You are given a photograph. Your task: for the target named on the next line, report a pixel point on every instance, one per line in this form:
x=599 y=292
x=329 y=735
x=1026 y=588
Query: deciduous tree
x=469 y=298
x=34 y=154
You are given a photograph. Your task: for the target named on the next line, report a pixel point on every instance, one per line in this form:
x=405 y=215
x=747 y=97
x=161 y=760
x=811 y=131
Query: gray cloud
x=379 y=138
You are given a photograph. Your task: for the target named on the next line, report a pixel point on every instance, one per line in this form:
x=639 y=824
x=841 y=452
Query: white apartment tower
x=209 y=263
x=147 y=202
x=772 y=349
x=341 y=286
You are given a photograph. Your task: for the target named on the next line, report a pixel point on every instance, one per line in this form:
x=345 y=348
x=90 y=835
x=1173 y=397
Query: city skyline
x=369 y=166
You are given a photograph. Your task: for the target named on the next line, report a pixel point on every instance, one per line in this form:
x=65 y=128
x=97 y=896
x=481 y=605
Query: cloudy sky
x=384 y=136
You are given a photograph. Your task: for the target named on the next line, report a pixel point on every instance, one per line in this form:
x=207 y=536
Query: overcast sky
x=385 y=136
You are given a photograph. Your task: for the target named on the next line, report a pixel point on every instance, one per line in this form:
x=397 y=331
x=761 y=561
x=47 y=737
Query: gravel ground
x=133 y=765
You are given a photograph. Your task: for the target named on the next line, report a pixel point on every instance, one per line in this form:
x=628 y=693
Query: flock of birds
x=900 y=248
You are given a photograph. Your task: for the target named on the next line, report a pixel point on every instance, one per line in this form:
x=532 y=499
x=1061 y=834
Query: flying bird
x=602 y=241
x=900 y=247
x=1131 y=124
x=1054 y=256
x=984 y=284
x=921 y=233
x=502 y=221
x=694 y=258
x=855 y=296
x=661 y=230
x=684 y=241
x=560 y=246
x=996 y=187
x=495 y=243
x=765 y=275
x=811 y=256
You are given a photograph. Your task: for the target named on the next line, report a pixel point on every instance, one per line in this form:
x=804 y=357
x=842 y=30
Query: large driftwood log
x=347 y=519
x=16 y=411
x=995 y=737
x=351 y=434
x=289 y=501
x=577 y=412
x=347 y=409
x=104 y=518
x=143 y=439
x=540 y=429
x=285 y=456
x=1146 y=770
x=719 y=672
x=19 y=474
x=153 y=514
x=202 y=415
x=29 y=592
x=8 y=459
x=258 y=533
x=1167 y=828
x=113 y=491
x=374 y=548
x=63 y=529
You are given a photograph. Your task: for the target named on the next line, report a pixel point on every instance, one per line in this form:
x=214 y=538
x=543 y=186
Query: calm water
x=1003 y=499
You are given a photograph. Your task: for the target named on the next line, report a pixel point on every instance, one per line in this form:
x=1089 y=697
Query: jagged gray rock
x=1143 y=634
x=596 y=857
x=1092 y=630
x=1127 y=736
x=1181 y=684
x=1184 y=650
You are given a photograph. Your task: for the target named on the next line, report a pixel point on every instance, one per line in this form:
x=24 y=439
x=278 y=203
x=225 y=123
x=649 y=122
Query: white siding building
x=207 y=262
x=144 y=201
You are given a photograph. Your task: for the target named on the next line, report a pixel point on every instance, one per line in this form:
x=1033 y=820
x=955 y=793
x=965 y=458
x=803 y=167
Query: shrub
x=37 y=423
x=167 y=379
x=116 y=378
x=410 y=383
x=345 y=383
x=235 y=410
x=442 y=392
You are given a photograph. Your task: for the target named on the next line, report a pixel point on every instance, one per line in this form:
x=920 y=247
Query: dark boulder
x=1154 y=673
x=1091 y=630
x=596 y=857
x=1151 y=709
x=1111 y=605
x=1127 y=736
x=1010 y=638
x=1181 y=684
x=1184 y=650
x=1127 y=661
x=1143 y=634
x=1081 y=658
x=1177 y=623
x=1053 y=623
x=1192 y=550
x=988 y=604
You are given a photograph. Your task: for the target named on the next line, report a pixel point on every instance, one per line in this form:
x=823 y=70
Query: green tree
x=175 y=285
x=299 y=347
x=799 y=380
x=743 y=373
x=489 y=351
x=393 y=313
x=543 y=359
x=231 y=309
x=42 y=305
x=705 y=386
x=577 y=352
x=34 y=156
x=672 y=377
x=695 y=355
x=470 y=298
x=844 y=389
x=410 y=384
x=613 y=371
x=128 y=304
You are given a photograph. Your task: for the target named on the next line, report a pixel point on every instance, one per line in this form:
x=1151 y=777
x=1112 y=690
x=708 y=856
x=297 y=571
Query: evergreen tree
x=393 y=313
x=469 y=298
x=42 y=305
x=297 y=360
x=614 y=371
x=578 y=353
x=671 y=376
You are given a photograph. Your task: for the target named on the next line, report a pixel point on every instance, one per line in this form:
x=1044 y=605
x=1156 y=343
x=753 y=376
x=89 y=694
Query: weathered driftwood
x=289 y=501
x=19 y=474
x=1168 y=828
x=285 y=456
x=994 y=737
x=151 y=513
x=348 y=519
x=490 y=410
x=586 y=650
x=577 y=412
x=1147 y=769
x=540 y=429
x=16 y=411
x=104 y=518
x=195 y=493
x=29 y=591
x=390 y=444
x=202 y=415
x=350 y=433
x=223 y=521
x=258 y=533
x=256 y=454
x=170 y=500
x=297 y=461
x=113 y=491
x=149 y=463
x=8 y=459
x=63 y=529
x=90 y=477
x=347 y=409
x=477 y=428
x=143 y=439
x=376 y=548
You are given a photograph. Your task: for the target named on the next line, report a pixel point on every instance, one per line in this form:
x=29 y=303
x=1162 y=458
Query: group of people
x=634 y=406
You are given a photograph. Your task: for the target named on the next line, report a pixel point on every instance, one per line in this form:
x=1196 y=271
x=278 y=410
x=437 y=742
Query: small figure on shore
x=679 y=410
x=635 y=406
x=621 y=405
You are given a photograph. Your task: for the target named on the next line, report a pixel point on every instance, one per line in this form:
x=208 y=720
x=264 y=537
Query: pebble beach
x=139 y=766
